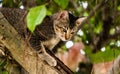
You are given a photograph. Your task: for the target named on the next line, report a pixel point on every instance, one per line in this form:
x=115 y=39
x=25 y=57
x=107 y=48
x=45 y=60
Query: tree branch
x=96 y=8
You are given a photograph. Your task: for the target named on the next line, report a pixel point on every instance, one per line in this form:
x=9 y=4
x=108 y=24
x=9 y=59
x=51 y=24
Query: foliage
x=35 y=16
x=103 y=56
x=62 y=3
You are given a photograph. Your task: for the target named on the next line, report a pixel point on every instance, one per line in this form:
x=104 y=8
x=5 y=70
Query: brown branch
x=99 y=39
x=74 y=4
x=28 y=4
x=24 y=55
x=107 y=20
x=92 y=12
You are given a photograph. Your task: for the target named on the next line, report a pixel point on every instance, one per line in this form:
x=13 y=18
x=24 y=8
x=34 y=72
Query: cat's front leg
x=46 y=57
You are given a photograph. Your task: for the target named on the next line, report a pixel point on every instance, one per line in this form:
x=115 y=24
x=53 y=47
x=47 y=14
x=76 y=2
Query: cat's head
x=66 y=25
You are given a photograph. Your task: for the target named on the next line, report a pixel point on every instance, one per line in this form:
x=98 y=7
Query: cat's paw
x=49 y=59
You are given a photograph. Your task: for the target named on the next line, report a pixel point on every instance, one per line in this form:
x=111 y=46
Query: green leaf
x=48 y=13
x=107 y=55
x=112 y=31
x=85 y=14
x=35 y=17
x=118 y=8
x=62 y=3
x=98 y=28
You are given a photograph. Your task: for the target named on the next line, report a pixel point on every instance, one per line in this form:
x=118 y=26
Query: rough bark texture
x=24 y=55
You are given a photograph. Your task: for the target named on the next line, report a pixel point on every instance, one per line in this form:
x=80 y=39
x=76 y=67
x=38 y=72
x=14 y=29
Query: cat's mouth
x=65 y=38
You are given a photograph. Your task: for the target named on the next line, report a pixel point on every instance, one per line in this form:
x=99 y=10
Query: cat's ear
x=62 y=15
x=80 y=20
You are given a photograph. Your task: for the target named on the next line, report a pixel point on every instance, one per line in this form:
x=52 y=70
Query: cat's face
x=66 y=25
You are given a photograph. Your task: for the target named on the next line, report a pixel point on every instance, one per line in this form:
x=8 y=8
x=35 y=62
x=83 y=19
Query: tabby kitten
x=59 y=26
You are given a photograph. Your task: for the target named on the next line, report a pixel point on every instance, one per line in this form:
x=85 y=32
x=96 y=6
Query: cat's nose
x=67 y=36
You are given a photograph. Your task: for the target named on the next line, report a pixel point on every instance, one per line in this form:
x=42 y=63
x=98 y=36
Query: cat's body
x=45 y=33
x=59 y=26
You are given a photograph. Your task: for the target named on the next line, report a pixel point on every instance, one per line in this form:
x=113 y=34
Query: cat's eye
x=77 y=23
x=64 y=30
x=72 y=32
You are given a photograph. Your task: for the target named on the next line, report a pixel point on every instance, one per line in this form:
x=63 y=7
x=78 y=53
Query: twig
x=97 y=8
x=74 y=4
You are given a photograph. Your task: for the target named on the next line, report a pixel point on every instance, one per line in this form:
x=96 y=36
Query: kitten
x=60 y=26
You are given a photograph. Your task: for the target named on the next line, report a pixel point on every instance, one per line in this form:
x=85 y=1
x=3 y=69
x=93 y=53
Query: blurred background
x=96 y=44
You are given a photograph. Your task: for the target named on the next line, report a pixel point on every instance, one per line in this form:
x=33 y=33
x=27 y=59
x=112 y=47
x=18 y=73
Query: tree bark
x=24 y=54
